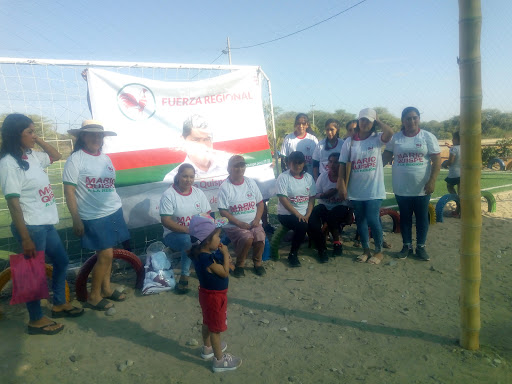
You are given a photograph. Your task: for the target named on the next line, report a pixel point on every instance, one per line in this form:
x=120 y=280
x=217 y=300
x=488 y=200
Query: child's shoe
x=207 y=352
x=227 y=363
x=337 y=249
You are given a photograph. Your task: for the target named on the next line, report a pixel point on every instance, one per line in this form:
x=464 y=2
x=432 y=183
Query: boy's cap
x=369 y=114
x=297 y=157
x=201 y=226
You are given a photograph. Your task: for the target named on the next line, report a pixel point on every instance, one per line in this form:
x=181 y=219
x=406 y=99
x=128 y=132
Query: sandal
x=101 y=306
x=385 y=244
x=182 y=287
x=362 y=258
x=116 y=296
x=43 y=330
x=376 y=259
x=73 y=312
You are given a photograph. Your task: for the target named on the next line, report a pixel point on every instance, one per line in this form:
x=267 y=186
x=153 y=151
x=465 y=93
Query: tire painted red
x=83 y=274
x=394 y=215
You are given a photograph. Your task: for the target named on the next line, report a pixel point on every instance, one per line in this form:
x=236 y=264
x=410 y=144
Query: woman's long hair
x=12 y=128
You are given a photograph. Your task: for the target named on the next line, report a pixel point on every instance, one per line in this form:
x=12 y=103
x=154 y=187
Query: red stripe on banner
x=162 y=156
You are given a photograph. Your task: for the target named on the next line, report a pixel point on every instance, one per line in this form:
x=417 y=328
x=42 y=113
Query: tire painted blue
x=442 y=202
x=494 y=161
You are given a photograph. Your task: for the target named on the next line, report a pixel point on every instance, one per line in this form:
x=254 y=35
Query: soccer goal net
x=54 y=94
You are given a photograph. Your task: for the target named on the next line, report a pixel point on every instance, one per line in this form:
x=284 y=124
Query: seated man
x=331 y=209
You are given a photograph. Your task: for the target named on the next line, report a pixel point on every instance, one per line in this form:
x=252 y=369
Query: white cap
x=368 y=113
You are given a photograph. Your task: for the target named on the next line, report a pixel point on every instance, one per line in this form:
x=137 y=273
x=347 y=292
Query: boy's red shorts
x=214 y=305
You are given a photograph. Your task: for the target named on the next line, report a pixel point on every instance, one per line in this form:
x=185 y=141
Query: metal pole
x=229 y=52
x=313 y=112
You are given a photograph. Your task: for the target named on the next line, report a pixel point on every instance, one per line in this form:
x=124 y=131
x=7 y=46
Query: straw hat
x=91 y=126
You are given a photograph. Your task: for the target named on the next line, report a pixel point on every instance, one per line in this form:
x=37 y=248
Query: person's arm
x=434 y=172
x=218 y=269
x=259 y=213
x=311 y=205
x=50 y=150
x=387 y=132
x=340 y=185
x=387 y=157
x=316 y=169
x=168 y=222
x=451 y=160
x=28 y=246
x=78 y=225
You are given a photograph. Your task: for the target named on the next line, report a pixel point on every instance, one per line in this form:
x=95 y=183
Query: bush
x=501 y=150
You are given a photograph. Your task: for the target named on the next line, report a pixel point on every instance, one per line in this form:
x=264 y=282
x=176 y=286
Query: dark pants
x=419 y=206
x=300 y=228
x=334 y=218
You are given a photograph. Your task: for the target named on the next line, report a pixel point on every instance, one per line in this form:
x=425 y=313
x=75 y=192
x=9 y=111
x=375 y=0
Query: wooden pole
x=470 y=23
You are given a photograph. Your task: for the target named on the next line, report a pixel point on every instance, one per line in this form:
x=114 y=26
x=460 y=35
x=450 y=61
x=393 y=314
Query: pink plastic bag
x=28 y=278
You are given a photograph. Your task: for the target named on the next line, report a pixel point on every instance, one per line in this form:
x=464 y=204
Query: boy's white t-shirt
x=454 y=170
x=94 y=177
x=324 y=184
x=305 y=144
x=240 y=199
x=181 y=207
x=366 y=180
x=297 y=190
x=31 y=186
x=321 y=153
x=411 y=162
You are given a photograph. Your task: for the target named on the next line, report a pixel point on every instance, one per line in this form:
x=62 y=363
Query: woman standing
x=331 y=144
x=299 y=140
x=366 y=181
x=178 y=204
x=89 y=185
x=240 y=202
x=31 y=202
x=416 y=165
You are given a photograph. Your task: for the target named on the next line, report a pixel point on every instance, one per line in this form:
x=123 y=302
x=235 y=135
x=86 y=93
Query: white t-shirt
x=240 y=199
x=305 y=144
x=322 y=152
x=366 y=180
x=94 y=177
x=411 y=162
x=454 y=170
x=297 y=190
x=324 y=184
x=181 y=207
x=31 y=186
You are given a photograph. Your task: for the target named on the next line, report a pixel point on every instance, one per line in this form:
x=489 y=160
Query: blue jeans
x=368 y=215
x=46 y=239
x=419 y=206
x=180 y=242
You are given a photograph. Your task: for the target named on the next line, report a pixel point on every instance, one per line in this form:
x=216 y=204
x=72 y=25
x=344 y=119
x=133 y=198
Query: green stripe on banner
x=157 y=173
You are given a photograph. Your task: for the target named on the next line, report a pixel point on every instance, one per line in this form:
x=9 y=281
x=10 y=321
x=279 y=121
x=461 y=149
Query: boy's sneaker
x=322 y=257
x=293 y=259
x=405 y=252
x=337 y=249
x=207 y=352
x=227 y=363
x=422 y=254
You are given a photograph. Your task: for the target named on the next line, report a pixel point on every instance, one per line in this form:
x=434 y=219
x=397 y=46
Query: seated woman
x=331 y=209
x=178 y=204
x=296 y=191
x=240 y=202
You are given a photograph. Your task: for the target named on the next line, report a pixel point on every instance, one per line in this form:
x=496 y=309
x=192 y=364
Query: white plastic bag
x=159 y=276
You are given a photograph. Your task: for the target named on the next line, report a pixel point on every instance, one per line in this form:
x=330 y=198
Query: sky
x=378 y=53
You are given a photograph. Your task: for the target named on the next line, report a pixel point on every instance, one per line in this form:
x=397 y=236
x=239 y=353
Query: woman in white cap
x=362 y=154
x=31 y=202
x=89 y=185
x=240 y=201
x=416 y=165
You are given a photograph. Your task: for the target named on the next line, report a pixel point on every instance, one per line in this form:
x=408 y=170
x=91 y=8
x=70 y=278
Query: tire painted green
x=491 y=201
x=276 y=241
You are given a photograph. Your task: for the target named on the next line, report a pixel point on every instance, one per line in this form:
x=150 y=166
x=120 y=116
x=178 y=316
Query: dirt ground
x=397 y=322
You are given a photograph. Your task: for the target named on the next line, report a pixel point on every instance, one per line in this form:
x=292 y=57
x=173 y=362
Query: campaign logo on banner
x=136 y=102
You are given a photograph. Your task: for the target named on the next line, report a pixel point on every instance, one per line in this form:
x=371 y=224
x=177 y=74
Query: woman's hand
x=243 y=225
x=29 y=248
x=343 y=193
x=255 y=223
x=430 y=186
x=302 y=218
x=78 y=227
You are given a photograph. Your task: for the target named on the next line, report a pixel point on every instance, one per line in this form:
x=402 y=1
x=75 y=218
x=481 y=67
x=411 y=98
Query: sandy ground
x=323 y=323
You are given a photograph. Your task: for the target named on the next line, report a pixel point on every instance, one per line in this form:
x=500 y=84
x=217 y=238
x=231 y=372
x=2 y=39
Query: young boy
x=453 y=179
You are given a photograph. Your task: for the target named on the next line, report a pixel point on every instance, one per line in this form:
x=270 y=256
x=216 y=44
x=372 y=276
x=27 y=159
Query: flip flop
x=73 y=312
x=362 y=258
x=42 y=331
x=375 y=260
x=116 y=296
x=101 y=306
